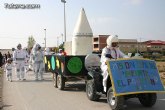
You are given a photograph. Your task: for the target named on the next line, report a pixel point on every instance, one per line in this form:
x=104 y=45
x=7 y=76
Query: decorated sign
x=47 y=63
x=74 y=65
x=66 y=65
x=134 y=76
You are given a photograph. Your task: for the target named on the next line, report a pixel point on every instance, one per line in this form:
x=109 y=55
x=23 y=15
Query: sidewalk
x=1 y=78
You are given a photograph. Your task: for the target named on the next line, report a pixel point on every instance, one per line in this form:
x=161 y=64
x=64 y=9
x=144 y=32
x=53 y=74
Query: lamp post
x=62 y=38
x=63 y=1
x=45 y=37
x=57 y=41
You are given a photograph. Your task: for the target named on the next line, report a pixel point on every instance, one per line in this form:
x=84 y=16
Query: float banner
x=132 y=76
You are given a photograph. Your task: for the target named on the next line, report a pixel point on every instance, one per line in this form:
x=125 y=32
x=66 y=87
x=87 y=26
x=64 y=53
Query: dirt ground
x=162 y=75
x=161 y=68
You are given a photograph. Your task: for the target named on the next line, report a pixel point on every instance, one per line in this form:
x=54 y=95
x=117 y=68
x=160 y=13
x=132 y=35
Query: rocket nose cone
x=82 y=27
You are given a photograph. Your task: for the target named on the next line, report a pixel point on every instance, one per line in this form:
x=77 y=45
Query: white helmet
x=36 y=47
x=47 y=49
x=19 y=46
x=112 y=39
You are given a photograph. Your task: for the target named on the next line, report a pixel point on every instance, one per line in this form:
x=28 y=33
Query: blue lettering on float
x=135 y=76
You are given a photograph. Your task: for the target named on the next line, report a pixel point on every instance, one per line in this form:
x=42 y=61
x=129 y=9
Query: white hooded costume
x=47 y=51
x=26 y=60
x=8 y=69
x=38 y=57
x=19 y=58
x=114 y=52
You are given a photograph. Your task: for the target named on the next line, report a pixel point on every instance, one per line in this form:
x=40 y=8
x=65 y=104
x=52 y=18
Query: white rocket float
x=82 y=36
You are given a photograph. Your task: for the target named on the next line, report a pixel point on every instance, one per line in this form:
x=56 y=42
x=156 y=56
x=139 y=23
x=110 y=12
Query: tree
x=31 y=42
x=61 y=46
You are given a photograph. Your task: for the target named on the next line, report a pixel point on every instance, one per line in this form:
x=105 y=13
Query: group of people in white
x=21 y=60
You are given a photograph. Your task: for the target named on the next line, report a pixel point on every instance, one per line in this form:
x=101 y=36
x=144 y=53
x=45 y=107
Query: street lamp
x=45 y=37
x=57 y=41
x=63 y=1
x=62 y=38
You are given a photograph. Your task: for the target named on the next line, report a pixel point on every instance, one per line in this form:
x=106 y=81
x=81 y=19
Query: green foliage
x=61 y=46
x=31 y=42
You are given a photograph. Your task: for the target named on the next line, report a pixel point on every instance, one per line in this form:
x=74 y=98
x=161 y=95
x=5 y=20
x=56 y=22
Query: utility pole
x=57 y=41
x=45 y=37
x=137 y=47
x=63 y=1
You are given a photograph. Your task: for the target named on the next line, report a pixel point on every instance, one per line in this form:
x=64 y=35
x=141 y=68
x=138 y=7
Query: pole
x=137 y=46
x=140 y=47
x=62 y=38
x=45 y=38
x=57 y=41
x=63 y=1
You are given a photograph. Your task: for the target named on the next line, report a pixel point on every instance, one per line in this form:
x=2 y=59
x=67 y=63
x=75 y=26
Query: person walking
x=26 y=59
x=38 y=56
x=19 y=58
x=8 y=55
x=8 y=69
x=1 y=59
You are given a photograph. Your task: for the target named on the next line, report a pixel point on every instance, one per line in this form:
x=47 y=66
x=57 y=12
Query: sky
x=129 y=19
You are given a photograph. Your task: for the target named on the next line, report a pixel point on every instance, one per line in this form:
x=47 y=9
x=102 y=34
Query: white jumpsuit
x=38 y=64
x=115 y=53
x=27 y=61
x=8 y=69
x=19 y=58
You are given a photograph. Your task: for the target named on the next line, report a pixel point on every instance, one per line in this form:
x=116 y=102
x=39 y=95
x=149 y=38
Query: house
x=126 y=45
x=155 y=46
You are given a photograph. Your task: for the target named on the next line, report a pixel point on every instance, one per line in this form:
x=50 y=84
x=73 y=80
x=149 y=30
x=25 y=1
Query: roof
x=155 y=42
x=127 y=40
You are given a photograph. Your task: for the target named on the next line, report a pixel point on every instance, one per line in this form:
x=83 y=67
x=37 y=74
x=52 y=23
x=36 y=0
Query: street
x=41 y=95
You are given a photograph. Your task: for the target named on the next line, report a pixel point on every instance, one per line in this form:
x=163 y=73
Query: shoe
x=10 y=80
x=36 y=79
x=24 y=79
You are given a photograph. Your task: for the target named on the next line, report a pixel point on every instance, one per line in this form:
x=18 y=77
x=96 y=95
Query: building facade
x=155 y=46
x=130 y=45
x=126 y=45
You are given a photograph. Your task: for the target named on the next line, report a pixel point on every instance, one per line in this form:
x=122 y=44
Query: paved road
x=41 y=95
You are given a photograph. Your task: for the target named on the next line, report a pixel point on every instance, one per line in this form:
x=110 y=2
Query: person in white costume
x=111 y=51
x=8 y=69
x=19 y=58
x=47 y=51
x=26 y=60
x=38 y=57
x=31 y=60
